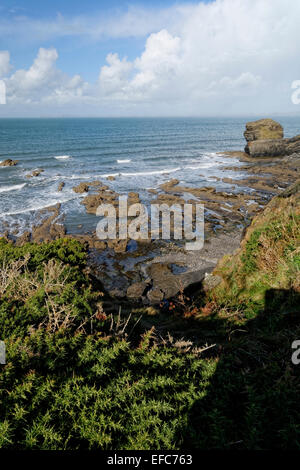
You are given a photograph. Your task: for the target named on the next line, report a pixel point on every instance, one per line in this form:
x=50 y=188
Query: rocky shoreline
x=151 y=271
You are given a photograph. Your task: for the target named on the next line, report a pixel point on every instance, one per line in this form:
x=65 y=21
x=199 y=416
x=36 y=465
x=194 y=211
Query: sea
x=141 y=153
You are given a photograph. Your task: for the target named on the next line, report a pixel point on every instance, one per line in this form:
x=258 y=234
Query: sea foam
x=39 y=207
x=16 y=187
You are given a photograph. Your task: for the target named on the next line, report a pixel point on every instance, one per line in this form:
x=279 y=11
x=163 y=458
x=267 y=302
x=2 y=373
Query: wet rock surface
x=104 y=195
x=159 y=271
x=35 y=173
x=49 y=228
x=81 y=188
x=136 y=290
x=9 y=162
x=155 y=295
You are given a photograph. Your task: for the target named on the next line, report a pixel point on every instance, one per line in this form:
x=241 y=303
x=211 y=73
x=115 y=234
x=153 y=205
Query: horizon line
x=210 y=116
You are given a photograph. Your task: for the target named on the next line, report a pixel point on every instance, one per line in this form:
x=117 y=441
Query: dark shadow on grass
x=252 y=401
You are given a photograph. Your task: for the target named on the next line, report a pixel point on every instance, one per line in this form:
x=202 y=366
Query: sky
x=149 y=58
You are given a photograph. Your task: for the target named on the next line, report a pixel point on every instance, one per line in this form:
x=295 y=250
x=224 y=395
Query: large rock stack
x=265 y=139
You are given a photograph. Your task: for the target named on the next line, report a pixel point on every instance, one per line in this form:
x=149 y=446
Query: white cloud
x=244 y=82
x=159 y=61
x=39 y=74
x=43 y=82
x=227 y=55
x=113 y=78
x=136 y=80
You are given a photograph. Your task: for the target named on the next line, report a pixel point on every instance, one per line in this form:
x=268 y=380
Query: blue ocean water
x=140 y=152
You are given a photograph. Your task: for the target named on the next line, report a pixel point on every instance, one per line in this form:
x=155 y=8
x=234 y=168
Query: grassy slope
x=268 y=263
x=73 y=380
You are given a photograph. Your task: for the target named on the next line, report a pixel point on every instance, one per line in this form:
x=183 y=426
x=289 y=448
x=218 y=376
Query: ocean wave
x=62 y=157
x=29 y=209
x=106 y=175
x=202 y=166
x=150 y=173
x=124 y=161
x=40 y=207
x=85 y=177
x=16 y=187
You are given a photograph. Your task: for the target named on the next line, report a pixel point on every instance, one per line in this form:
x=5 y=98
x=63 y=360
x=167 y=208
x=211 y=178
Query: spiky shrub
x=70 y=385
x=88 y=392
x=44 y=285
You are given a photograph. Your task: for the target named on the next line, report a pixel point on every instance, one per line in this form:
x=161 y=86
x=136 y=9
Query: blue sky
x=149 y=58
x=74 y=50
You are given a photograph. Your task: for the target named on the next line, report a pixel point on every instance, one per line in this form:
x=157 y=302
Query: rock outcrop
x=9 y=162
x=136 y=290
x=106 y=196
x=81 y=188
x=35 y=173
x=48 y=229
x=273 y=148
x=264 y=129
x=265 y=139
